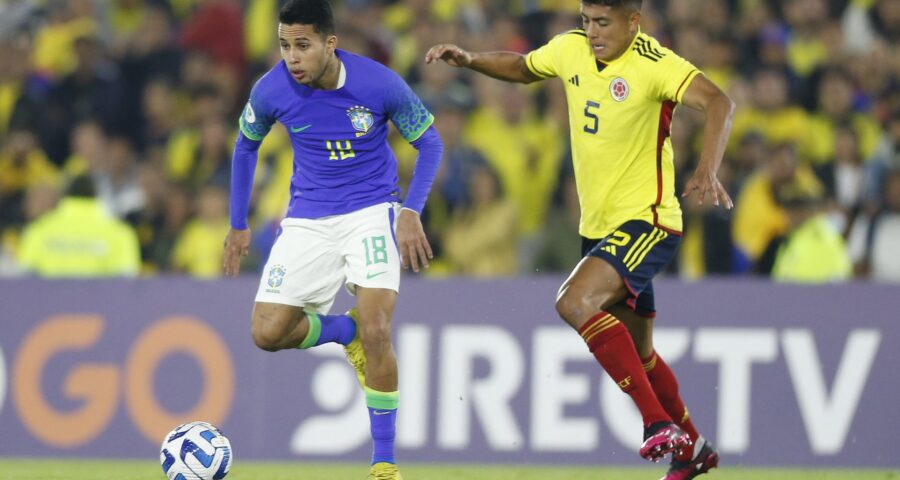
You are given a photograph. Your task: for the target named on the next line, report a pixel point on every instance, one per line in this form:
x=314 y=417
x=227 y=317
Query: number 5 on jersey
x=593 y=125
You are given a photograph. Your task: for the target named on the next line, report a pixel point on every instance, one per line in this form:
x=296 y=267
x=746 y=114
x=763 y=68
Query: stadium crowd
x=117 y=120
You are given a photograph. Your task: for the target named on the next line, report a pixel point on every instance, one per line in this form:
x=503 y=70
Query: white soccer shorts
x=311 y=258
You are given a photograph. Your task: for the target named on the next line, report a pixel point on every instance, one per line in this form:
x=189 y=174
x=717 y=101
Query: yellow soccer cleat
x=355 y=353
x=384 y=471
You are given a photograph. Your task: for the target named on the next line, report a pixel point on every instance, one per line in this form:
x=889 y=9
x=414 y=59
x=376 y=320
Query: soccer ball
x=195 y=451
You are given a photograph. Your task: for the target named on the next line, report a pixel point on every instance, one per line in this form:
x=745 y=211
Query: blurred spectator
x=758 y=219
x=836 y=109
x=22 y=164
x=21 y=92
x=55 y=52
x=117 y=179
x=885 y=158
x=216 y=28
x=201 y=156
x=772 y=114
x=160 y=115
x=39 y=199
x=150 y=221
x=813 y=251
x=198 y=250
x=94 y=90
x=459 y=157
x=873 y=240
x=481 y=240
x=89 y=146
x=79 y=238
x=806 y=20
x=524 y=148
x=844 y=178
x=559 y=248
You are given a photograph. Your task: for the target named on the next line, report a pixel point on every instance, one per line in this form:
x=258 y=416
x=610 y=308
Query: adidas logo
x=574 y=80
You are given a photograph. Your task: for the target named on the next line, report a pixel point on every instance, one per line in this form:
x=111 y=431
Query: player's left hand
x=706 y=182
x=237 y=245
x=414 y=247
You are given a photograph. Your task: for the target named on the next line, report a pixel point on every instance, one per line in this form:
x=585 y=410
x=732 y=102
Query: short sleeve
x=256 y=118
x=546 y=61
x=406 y=110
x=673 y=75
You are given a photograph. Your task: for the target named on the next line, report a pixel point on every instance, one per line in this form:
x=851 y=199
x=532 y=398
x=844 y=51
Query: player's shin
x=383 y=421
x=609 y=341
x=328 y=329
x=665 y=385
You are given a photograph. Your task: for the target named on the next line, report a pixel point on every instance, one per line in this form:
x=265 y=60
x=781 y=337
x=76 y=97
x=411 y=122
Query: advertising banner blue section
x=772 y=374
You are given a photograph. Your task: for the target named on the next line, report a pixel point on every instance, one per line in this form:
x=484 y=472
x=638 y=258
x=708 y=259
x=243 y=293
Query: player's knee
x=375 y=336
x=574 y=304
x=265 y=337
x=571 y=304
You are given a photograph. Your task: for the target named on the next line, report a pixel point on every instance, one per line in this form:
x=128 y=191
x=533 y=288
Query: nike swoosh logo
x=373 y=275
x=300 y=129
x=381 y=412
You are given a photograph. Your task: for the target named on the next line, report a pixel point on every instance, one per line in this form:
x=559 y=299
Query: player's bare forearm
x=718 y=109
x=506 y=66
x=717 y=128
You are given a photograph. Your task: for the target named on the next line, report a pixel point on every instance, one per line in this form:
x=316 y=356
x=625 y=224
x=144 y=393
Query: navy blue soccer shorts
x=638 y=251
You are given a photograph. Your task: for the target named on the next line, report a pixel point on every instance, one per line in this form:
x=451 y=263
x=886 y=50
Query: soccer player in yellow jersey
x=622 y=88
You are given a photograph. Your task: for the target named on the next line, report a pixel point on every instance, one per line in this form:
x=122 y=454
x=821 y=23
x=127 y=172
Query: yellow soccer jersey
x=619 y=116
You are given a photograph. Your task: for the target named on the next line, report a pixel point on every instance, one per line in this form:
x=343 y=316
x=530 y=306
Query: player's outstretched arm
x=705 y=96
x=506 y=66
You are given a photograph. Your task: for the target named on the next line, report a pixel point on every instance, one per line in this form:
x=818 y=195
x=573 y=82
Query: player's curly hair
x=309 y=12
x=635 y=4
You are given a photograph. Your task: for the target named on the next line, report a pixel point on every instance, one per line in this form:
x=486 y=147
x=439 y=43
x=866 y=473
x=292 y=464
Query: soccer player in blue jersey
x=622 y=87
x=345 y=223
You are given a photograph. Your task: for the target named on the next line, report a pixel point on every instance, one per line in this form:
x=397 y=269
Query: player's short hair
x=634 y=4
x=309 y=12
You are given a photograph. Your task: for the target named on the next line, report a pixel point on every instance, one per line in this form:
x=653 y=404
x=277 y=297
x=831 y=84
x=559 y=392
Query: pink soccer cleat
x=661 y=439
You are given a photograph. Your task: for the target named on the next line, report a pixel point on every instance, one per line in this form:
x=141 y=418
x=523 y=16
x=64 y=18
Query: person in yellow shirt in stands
x=813 y=251
x=79 y=238
x=481 y=238
x=772 y=114
x=836 y=110
x=758 y=218
x=525 y=149
x=198 y=249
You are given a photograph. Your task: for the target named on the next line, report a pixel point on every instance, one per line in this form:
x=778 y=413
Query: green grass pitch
x=21 y=469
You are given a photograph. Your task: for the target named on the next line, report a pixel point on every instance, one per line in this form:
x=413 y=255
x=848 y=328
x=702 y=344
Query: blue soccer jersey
x=342 y=160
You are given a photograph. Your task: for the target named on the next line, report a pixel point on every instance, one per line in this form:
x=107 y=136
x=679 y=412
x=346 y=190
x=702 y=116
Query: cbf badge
x=276 y=276
x=361 y=118
x=619 y=89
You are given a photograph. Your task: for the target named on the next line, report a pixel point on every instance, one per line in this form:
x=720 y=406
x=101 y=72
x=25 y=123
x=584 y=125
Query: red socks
x=666 y=388
x=609 y=341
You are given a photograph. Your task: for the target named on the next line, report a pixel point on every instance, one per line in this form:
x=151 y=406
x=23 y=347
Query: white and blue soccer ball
x=195 y=451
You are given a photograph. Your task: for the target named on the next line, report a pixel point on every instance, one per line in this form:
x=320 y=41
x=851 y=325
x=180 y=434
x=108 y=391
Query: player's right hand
x=449 y=53
x=237 y=245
